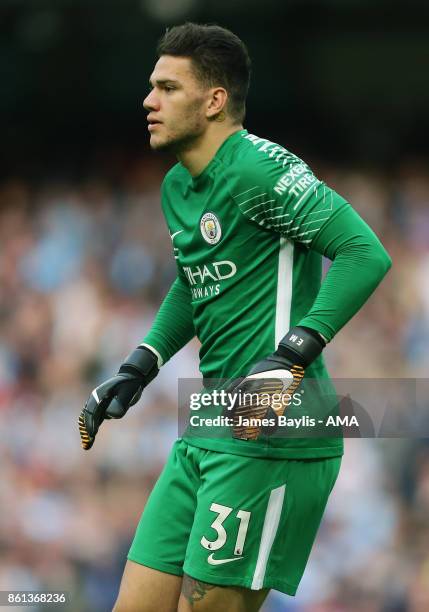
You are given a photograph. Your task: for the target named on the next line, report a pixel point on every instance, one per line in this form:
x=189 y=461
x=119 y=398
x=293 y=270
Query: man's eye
x=169 y=88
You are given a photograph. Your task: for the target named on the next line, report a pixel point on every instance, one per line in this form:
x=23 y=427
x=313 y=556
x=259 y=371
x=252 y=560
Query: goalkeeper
x=231 y=518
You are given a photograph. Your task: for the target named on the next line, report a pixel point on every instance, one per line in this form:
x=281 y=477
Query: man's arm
x=173 y=326
x=290 y=200
x=293 y=202
x=172 y=329
x=359 y=264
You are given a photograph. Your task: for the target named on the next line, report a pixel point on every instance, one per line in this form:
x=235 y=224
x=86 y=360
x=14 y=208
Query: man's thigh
x=256 y=520
x=153 y=573
x=199 y=596
x=239 y=523
x=162 y=534
x=144 y=589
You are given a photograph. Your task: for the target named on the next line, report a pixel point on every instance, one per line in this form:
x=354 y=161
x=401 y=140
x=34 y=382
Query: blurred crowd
x=84 y=265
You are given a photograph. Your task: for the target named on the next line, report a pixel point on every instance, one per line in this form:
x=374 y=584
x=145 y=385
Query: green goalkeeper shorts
x=234 y=520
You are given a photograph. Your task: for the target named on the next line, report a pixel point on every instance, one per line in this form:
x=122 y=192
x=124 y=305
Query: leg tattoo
x=195 y=590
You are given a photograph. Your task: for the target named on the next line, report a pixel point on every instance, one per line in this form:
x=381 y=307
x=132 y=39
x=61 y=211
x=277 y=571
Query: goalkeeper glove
x=112 y=398
x=280 y=372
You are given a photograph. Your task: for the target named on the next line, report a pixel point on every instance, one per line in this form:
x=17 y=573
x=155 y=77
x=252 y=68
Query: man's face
x=176 y=104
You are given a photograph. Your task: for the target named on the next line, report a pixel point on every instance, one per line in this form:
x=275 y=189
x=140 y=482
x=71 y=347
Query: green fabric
x=212 y=496
x=173 y=326
x=248 y=237
x=359 y=264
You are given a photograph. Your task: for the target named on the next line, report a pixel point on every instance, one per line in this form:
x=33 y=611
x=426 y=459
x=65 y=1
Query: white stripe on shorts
x=269 y=530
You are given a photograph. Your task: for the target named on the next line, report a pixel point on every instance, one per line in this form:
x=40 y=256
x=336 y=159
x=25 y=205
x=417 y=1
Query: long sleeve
x=173 y=326
x=284 y=196
x=359 y=264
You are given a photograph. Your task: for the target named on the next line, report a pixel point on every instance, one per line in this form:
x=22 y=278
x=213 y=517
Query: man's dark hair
x=218 y=56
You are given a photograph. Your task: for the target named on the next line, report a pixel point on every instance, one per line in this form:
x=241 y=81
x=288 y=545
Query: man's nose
x=151 y=102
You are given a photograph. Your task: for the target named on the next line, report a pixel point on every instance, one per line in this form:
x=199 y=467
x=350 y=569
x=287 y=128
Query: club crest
x=210 y=228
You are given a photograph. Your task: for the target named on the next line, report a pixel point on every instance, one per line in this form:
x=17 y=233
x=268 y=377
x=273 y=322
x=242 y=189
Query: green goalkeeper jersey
x=248 y=237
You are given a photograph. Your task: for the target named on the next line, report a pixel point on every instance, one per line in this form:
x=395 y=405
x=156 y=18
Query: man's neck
x=199 y=156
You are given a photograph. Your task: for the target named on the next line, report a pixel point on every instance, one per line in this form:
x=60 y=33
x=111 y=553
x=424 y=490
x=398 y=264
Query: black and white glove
x=278 y=374
x=112 y=398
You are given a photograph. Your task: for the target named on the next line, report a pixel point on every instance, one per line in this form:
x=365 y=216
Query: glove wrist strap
x=143 y=362
x=301 y=346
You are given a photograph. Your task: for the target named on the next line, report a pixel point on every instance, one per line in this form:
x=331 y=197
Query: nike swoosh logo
x=220 y=561
x=172 y=236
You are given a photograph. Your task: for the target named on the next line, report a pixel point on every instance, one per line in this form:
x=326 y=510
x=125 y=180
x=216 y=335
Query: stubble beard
x=179 y=141
x=178 y=144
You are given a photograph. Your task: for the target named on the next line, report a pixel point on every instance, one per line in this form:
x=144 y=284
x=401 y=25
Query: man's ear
x=216 y=103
